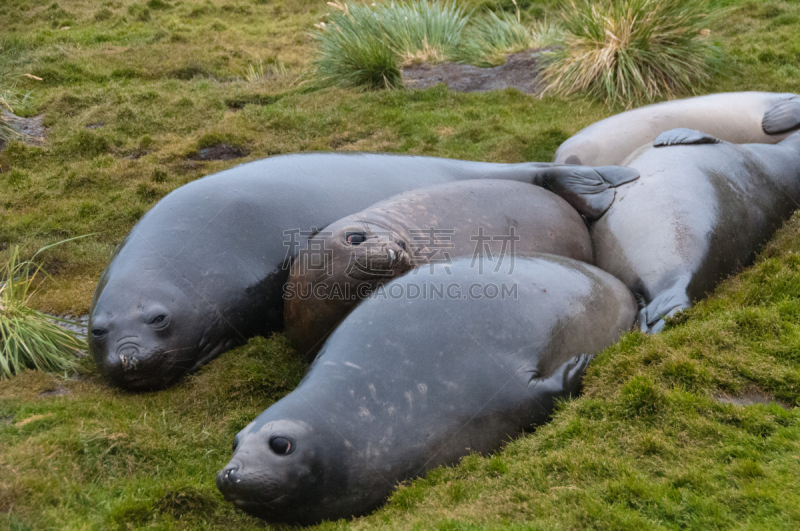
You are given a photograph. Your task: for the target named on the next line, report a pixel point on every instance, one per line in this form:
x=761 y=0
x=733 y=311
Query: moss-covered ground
x=134 y=91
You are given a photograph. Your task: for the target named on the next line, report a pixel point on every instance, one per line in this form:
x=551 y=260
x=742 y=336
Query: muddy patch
x=749 y=398
x=58 y=391
x=219 y=152
x=78 y=324
x=520 y=71
x=32 y=129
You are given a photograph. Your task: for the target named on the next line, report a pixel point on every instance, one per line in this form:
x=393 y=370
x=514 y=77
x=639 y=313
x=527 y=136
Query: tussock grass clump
x=489 y=39
x=29 y=339
x=422 y=31
x=630 y=51
x=259 y=71
x=365 y=45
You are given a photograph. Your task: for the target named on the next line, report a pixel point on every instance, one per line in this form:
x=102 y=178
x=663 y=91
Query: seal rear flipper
x=684 y=137
x=665 y=304
x=589 y=190
x=565 y=382
x=782 y=117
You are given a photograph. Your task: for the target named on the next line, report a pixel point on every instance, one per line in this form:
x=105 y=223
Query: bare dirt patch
x=220 y=152
x=749 y=398
x=520 y=71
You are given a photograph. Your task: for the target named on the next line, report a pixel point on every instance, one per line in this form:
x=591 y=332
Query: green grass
x=365 y=45
x=353 y=51
x=30 y=339
x=645 y=447
x=631 y=51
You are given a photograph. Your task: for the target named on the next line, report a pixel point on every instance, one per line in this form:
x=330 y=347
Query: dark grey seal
x=700 y=212
x=739 y=117
x=414 y=378
x=348 y=259
x=204 y=269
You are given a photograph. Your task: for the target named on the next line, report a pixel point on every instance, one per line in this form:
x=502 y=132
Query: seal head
x=146 y=337
x=352 y=259
x=284 y=470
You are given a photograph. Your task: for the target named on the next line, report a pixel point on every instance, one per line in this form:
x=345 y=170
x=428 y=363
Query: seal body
x=697 y=214
x=433 y=225
x=204 y=269
x=738 y=117
x=409 y=382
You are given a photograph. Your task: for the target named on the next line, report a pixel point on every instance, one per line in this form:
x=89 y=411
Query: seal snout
x=379 y=262
x=127 y=355
x=228 y=476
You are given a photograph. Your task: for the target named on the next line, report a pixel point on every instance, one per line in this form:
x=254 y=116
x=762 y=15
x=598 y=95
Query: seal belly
x=697 y=214
x=657 y=228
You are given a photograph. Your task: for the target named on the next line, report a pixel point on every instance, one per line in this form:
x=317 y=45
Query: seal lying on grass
x=204 y=269
x=428 y=225
x=700 y=211
x=739 y=117
x=406 y=384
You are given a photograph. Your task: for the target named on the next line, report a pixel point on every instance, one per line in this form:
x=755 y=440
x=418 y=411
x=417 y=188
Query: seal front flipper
x=782 y=117
x=589 y=190
x=665 y=304
x=564 y=382
x=616 y=175
x=684 y=137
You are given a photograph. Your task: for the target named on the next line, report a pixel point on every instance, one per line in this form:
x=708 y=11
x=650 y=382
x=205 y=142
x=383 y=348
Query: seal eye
x=99 y=333
x=280 y=445
x=355 y=238
x=402 y=245
x=158 y=319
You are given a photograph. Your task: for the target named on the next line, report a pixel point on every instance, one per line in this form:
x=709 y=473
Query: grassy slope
x=645 y=445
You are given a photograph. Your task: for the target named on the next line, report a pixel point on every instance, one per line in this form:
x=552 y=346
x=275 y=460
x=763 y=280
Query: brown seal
x=433 y=225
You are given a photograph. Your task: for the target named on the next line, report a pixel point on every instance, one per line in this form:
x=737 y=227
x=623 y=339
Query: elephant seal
x=351 y=257
x=204 y=269
x=428 y=369
x=701 y=210
x=738 y=117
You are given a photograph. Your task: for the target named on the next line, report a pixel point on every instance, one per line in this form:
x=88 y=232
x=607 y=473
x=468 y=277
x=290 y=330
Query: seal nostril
x=227 y=478
x=230 y=474
x=128 y=356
